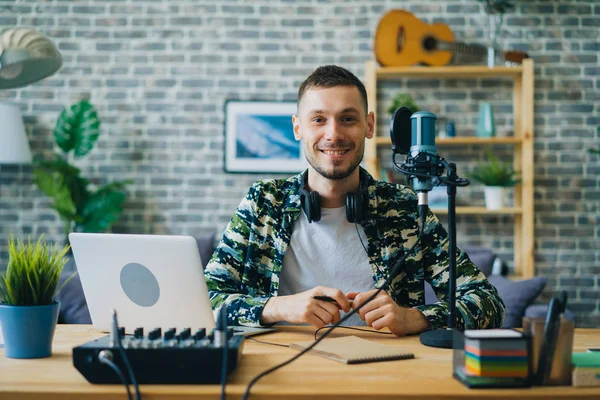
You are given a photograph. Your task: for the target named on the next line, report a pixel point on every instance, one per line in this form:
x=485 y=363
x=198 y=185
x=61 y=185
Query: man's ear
x=296 y=123
x=370 y=125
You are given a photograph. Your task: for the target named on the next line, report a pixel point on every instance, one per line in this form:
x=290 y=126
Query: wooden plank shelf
x=467 y=71
x=522 y=78
x=382 y=141
x=480 y=211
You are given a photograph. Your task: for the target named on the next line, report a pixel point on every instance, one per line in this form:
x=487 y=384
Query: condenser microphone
x=423 y=158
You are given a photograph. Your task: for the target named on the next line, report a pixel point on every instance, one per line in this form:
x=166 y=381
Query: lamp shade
x=14 y=147
x=26 y=56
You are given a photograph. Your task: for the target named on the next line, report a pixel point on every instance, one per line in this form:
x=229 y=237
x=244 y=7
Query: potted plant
x=496 y=176
x=82 y=207
x=28 y=309
x=403 y=99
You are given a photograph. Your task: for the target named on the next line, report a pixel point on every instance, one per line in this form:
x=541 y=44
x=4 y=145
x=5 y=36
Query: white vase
x=494 y=197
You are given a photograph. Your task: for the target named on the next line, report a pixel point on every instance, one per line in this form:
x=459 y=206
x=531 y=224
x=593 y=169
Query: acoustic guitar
x=402 y=39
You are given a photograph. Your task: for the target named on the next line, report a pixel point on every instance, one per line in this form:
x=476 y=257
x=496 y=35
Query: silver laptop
x=150 y=280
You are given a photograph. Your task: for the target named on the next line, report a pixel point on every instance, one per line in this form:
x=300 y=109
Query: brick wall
x=159 y=72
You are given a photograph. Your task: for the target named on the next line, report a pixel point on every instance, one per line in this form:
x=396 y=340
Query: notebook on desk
x=353 y=350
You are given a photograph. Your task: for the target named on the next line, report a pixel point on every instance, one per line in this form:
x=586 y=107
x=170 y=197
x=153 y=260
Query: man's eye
x=318 y=120
x=348 y=119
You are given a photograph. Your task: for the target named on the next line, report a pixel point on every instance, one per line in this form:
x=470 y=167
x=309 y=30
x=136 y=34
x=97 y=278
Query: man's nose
x=332 y=131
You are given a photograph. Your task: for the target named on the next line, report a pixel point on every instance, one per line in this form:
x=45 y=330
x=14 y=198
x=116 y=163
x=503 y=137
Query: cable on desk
x=128 y=367
x=353 y=328
x=105 y=357
x=393 y=272
x=271 y=343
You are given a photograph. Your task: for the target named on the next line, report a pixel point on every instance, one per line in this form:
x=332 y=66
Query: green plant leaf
x=33 y=272
x=50 y=173
x=403 y=99
x=102 y=209
x=495 y=173
x=77 y=128
x=53 y=185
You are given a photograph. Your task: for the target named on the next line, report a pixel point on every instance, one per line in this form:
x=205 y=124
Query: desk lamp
x=26 y=56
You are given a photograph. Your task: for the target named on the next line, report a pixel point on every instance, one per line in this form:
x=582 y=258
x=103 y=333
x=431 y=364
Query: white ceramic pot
x=495 y=197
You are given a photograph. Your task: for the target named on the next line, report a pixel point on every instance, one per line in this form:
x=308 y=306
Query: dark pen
x=329 y=299
x=325 y=298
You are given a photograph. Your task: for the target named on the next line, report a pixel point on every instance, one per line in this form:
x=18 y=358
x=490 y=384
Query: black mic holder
x=425 y=166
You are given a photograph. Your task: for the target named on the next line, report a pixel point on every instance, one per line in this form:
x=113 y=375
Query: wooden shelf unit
x=522 y=94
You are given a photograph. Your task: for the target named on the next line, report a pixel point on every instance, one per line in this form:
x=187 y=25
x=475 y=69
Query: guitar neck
x=457 y=47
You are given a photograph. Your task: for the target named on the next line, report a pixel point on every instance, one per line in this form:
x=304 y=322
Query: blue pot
x=28 y=330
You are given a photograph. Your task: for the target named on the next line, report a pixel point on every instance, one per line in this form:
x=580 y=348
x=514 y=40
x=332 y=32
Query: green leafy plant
x=82 y=208
x=403 y=99
x=33 y=272
x=496 y=6
x=495 y=173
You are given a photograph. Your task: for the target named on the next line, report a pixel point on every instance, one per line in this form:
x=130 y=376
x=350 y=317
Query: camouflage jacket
x=243 y=272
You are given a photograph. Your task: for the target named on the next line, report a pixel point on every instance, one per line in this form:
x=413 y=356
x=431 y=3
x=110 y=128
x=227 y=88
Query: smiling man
x=335 y=231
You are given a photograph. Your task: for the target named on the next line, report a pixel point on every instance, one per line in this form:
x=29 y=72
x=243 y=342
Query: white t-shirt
x=327 y=253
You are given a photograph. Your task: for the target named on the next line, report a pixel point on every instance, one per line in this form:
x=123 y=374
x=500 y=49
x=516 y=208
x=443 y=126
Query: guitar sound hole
x=429 y=43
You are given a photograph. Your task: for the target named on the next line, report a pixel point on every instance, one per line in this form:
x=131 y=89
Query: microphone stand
x=443 y=338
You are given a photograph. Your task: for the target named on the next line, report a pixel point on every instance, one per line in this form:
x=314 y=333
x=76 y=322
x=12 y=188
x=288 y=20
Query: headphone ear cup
x=314 y=206
x=350 y=207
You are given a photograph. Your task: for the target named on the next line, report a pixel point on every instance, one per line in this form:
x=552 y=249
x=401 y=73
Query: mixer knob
x=154 y=334
x=185 y=334
x=200 y=334
x=169 y=333
x=138 y=333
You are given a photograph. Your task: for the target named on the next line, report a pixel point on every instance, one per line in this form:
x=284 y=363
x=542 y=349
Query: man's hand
x=302 y=308
x=383 y=312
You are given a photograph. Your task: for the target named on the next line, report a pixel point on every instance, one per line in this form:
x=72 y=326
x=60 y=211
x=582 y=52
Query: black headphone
x=356 y=202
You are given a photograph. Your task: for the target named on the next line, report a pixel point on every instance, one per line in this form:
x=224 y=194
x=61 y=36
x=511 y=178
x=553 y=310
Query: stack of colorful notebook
x=493 y=358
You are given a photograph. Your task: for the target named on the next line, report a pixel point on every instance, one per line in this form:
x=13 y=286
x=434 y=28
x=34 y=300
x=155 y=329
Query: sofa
x=518 y=296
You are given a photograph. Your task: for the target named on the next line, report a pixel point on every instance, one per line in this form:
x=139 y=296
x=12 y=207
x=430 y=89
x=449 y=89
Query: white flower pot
x=495 y=197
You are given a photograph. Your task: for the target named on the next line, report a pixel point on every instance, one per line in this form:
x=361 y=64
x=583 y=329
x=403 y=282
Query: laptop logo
x=140 y=285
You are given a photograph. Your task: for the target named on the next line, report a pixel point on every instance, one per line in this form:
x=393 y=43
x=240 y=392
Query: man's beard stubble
x=337 y=174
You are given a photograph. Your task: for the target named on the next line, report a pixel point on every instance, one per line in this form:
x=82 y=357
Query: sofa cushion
x=482 y=257
x=540 y=311
x=73 y=307
x=517 y=296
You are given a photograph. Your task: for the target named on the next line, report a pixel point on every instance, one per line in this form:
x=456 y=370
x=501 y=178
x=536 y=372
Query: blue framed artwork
x=259 y=137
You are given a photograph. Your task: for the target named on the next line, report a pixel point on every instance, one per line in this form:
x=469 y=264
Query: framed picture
x=259 y=137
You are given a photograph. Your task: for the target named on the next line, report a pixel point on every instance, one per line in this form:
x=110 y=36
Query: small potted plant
x=403 y=100
x=496 y=176
x=28 y=309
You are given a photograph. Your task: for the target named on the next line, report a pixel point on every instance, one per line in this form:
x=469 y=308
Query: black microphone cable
x=392 y=274
x=125 y=358
x=105 y=357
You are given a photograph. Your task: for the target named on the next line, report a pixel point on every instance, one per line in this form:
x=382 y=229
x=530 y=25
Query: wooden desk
x=429 y=376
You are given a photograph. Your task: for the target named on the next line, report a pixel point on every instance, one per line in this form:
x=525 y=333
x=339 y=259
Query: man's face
x=332 y=124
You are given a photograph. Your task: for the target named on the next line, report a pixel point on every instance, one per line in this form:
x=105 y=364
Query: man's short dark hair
x=328 y=76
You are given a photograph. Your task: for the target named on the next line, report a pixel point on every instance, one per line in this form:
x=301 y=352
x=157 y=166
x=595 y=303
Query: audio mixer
x=168 y=357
